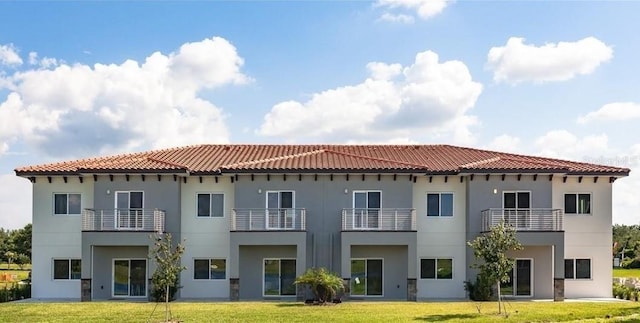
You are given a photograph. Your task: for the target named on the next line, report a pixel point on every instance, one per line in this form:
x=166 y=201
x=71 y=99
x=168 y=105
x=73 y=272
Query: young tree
x=168 y=268
x=10 y=256
x=22 y=260
x=491 y=248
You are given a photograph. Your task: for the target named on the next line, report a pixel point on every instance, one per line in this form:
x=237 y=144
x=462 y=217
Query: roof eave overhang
x=318 y=171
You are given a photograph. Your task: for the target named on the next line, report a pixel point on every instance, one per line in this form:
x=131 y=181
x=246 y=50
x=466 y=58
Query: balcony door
x=517 y=208
x=280 y=210
x=129 y=278
x=366 y=209
x=129 y=205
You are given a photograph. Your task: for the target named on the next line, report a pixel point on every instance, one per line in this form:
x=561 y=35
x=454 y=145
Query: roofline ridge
x=378 y=159
x=265 y=160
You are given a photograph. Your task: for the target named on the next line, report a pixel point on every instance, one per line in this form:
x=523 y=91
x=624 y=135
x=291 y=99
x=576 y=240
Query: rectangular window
x=66 y=204
x=440 y=204
x=366 y=277
x=577 y=268
x=210 y=204
x=434 y=268
x=209 y=269
x=65 y=269
x=577 y=203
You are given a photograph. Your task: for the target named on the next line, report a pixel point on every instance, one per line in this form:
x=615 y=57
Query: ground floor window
x=278 y=277
x=520 y=279
x=66 y=269
x=577 y=268
x=436 y=268
x=209 y=269
x=366 y=277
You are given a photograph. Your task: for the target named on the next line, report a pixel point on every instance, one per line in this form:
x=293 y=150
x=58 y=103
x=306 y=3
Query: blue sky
x=548 y=78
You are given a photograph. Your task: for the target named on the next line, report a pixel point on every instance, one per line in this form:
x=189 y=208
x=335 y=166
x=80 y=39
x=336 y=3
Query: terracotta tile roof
x=215 y=159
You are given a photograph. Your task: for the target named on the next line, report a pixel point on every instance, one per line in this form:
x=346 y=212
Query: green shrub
x=481 y=290
x=630 y=263
x=324 y=284
x=15 y=292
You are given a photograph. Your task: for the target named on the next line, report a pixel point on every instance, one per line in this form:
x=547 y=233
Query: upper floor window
x=516 y=200
x=439 y=204
x=66 y=269
x=577 y=203
x=131 y=200
x=210 y=205
x=577 y=268
x=66 y=203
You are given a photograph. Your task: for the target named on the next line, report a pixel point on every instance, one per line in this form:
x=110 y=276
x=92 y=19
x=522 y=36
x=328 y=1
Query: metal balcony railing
x=524 y=219
x=400 y=219
x=123 y=220
x=268 y=219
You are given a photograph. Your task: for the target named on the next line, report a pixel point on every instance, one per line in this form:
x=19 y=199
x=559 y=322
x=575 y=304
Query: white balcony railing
x=379 y=219
x=524 y=219
x=268 y=219
x=123 y=220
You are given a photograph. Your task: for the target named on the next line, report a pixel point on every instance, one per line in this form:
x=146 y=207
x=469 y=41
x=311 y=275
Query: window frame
x=70 y=272
x=436 y=261
x=366 y=276
x=67 y=194
x=577 y=206
x=209 y=263
x=574 y=273
x=210 y=205
x=453 y=212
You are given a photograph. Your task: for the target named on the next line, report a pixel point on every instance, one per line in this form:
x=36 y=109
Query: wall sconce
x=108 y=192
x=495 y=191
x=259 y=191
x=346 y=191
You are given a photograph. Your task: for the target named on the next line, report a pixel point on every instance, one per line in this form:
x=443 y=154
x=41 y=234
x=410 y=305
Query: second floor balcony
x=150 y=220
x=280 y=219
x=534 y=219
x=383 y=219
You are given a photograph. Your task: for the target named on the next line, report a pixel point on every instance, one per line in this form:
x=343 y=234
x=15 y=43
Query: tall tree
x=491 y=248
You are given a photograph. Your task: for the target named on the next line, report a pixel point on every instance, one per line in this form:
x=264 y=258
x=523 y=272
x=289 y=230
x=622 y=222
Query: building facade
x=392 y=220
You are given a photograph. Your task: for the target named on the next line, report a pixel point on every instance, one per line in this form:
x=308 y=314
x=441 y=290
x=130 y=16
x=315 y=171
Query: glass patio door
x=366 y=277
x=129 y=278
x=520 y=279
x=366 y=209
x=280 y=210
x=278 y=277
x=129 y=207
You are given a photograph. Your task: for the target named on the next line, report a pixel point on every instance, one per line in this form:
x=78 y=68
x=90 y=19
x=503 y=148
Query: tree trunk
x=499 y=299
x=166 y=304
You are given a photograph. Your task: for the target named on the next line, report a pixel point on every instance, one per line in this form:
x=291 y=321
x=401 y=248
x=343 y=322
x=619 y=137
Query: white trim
x=453 y=204
x=575 y=269
x=279 y=276
x=210 y=193
x=360 y=226
x=65 y=214
x=365 y=273
x=436 y=277
x=293 y=206
x=226 y=268
x=564 y=206
x=514 y=279
x=69 y=273
x=146 y=277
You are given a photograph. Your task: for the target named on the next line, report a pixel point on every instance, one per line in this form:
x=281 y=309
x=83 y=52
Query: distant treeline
x=15 y=246
x=626 y=245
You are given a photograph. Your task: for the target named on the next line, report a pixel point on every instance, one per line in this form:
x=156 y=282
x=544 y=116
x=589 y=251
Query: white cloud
x=15 y=201
x=397 y=18
x=9 y=55
x=424 y=8
x=564 y=144
x=128 y=106
x=519 y=62
x=505 y=143
x=616 y=111
x=429 y=99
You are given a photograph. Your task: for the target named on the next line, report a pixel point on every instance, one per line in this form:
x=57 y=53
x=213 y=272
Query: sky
x=549 y=78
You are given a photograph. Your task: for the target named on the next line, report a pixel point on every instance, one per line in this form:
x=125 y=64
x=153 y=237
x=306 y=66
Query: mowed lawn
x=628 y=273
x=115 y=311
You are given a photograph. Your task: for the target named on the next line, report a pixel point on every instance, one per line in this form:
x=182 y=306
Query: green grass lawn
x=619 y=272
x=114 y=311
